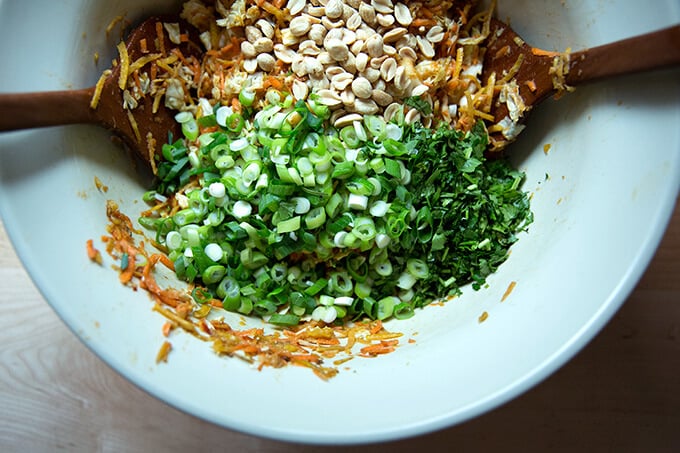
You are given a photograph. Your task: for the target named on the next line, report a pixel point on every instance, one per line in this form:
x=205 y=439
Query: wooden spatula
x=30 y=110
x=539 y=71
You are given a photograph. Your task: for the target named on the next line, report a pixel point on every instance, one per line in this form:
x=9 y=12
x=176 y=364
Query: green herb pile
x=287 y=218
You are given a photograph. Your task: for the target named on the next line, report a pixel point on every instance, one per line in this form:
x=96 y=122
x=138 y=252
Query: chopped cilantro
x=419 y=104
x=475 y=206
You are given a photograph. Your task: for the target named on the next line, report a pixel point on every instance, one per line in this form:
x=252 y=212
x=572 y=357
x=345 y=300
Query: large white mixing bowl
x=602 y=197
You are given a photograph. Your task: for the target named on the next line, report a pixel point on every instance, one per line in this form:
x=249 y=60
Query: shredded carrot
x=306 y=357
x=384 y=347
x=161 y=38
x=143 y=61
x=513 y=70
x=323 y=341
x=377 y=327
x=248 y=348
x=531 y=85
x=503 y=51
x=423 y=23
x=137 y=81
x=163 y=352
x=183 y=323
x=384 y=335
x=459 y=63
x=166 y=62
x=341 y=361
x=351 y=340
x=221 y=81
x=147 y=281
x=180 y=56
x=133 y=124
x=166 y=261
x=182 y=310
x=224 y=51
x=156 y=102
x=251 y=332
x=220 y=325
x=124 y=65
x=167 y=328
x=172 y=297
x=96 y=95
x=273 y=82
x=151 y=151
x=280 y=66
x=235 y=104
x=92 y=253
x=543 y=53
x=273 y=10
x=452 y=85
x=206 y=326
x=483 y=115
x=143 y=45
x=196 y=69
x=511 y=286
x=113 y=23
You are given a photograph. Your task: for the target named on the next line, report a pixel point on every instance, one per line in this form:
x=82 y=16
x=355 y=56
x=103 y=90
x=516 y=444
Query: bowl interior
x=601 y=196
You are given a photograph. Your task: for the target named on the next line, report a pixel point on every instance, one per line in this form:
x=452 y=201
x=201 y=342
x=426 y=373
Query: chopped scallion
x=279 y=215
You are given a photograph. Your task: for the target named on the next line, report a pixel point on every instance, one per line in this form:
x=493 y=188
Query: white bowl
x=602 y=197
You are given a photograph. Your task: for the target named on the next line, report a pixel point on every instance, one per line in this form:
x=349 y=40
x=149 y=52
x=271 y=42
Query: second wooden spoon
x=538 y=76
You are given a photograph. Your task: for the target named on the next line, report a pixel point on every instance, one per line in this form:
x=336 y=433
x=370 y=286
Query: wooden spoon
x=536 y=79
x=54 y=108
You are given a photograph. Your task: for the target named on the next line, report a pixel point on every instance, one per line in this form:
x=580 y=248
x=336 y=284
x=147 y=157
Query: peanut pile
x=359 y=57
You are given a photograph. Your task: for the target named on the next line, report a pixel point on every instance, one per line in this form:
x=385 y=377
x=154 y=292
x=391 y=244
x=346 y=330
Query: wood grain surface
x=621 y=393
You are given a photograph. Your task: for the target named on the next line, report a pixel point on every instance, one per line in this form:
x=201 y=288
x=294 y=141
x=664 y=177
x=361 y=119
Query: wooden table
x=622 y=393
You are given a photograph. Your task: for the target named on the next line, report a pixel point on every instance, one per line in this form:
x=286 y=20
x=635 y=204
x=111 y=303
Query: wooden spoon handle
x=641 y=53
x=51 y=108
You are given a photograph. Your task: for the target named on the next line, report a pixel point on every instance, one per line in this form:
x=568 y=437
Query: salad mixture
x=332 y=171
